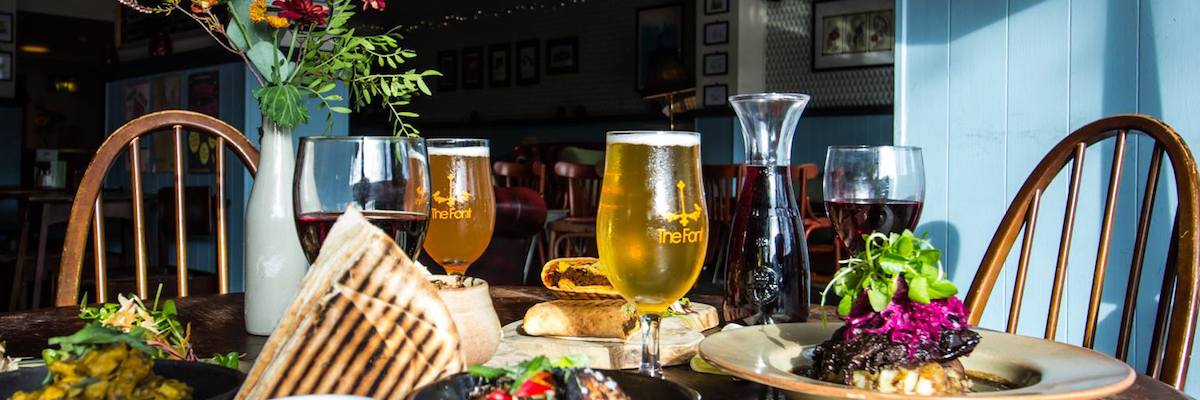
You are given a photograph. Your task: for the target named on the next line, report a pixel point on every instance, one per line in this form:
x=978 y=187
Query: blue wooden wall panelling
x=988 y=87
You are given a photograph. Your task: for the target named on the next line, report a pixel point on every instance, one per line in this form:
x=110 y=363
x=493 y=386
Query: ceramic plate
x=458 y=387
x=1037 y=368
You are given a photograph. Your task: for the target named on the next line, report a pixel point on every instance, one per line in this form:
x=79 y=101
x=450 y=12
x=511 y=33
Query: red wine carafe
x=767 y=279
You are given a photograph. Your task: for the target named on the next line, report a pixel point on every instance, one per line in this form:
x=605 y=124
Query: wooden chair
x=531 y=176
x=572 y=235
x=801 y=175
x=86 y=208
x=1175 y=322
x=721 y=185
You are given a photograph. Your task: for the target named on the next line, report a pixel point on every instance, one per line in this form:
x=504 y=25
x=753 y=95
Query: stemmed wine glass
x=873 y=189
x=386 y=177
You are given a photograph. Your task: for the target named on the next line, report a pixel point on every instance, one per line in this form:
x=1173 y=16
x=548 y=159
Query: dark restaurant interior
x=989 y=108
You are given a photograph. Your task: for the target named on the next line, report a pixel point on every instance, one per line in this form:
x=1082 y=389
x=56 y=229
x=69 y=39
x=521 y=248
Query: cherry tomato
x=498 y=395
x=537 y=385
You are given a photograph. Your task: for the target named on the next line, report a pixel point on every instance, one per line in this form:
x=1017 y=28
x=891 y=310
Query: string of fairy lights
x=447 y=21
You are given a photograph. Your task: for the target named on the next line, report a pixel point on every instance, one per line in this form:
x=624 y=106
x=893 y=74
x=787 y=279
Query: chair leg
x=39 y=273
x=533 y=241
x=15 y=297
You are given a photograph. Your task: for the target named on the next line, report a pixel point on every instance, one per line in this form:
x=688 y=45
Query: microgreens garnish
x=885 y=259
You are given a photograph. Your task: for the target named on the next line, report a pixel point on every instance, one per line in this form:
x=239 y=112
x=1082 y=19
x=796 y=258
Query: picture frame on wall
x=716 y=95
x=712 y=7
x=528 y=61
x=6 y=27
x=716 y=64
x=203 y=96
x=716 y=33
x=472 y=67
x=853 y=34
x=562 y=56
x=500 y=65
x=659 y=44
x=447 y=64
x=6 y=66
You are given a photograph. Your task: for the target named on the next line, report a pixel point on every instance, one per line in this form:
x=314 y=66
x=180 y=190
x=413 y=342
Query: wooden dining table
x=217 y=327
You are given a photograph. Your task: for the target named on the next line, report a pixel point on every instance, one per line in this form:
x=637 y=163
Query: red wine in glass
x=405 y=227
x=768 y=277
x=854 y=218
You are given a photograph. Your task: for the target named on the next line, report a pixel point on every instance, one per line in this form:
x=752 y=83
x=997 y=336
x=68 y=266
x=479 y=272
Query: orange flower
x=258 y=11
x=201 y=6
x=277 y=22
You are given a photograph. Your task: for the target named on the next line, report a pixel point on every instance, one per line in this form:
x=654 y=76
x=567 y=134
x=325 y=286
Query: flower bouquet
x=298 y=49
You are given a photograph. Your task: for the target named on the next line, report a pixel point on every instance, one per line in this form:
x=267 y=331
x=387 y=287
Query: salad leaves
x=527 y=369
x=878 y=269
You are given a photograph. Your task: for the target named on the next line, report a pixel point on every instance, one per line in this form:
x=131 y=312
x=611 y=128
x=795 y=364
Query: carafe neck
x=768 y=123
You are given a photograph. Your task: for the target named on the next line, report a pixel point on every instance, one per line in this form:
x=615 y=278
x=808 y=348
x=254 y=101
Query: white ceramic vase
x=275 y=262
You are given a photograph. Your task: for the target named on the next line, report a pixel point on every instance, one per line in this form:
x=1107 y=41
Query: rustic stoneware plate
x=459 y=387
x=1034 y=368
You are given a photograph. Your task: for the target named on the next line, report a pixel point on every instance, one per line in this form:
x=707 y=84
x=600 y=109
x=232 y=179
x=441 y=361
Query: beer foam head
x=474 y=151
x=657 y=138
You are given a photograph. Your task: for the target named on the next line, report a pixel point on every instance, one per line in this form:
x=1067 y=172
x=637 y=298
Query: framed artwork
x=6 y=66
x=137 y=99
x=716 y=7
x=562 y=56
x=716 y=95
x=716 y=32
x=500 y=65
x=659 y=41
x=6 y=27
x=472 y=67
x=204 y=96
x=716 y=63
x=165 y=95
x=447 y=64
x=528 y=62
x=853 y=33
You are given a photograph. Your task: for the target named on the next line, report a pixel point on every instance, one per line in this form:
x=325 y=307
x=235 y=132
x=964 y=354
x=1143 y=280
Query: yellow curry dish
x=114 y=371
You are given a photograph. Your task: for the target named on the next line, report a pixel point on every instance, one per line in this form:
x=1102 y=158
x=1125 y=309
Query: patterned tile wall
x=789 y=64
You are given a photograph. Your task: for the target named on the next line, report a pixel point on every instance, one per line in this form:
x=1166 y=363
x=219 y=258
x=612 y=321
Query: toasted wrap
x=581 y=318
x=577 y=278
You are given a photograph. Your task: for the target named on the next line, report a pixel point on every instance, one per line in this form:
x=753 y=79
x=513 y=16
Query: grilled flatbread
x=581 y=318
x=365 y=322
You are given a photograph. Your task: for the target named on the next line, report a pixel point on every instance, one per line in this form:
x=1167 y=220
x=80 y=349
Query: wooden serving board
x=677 y=344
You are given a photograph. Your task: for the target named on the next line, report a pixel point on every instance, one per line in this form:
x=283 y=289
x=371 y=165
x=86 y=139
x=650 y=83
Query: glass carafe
x=767 y=279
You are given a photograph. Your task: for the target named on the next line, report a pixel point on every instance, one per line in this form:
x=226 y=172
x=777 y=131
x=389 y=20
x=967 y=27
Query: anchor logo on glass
x=452 y=202
x=685 y=234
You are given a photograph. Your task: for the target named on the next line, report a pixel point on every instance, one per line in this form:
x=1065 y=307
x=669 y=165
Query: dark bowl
x=208 y=381
x=638 y=387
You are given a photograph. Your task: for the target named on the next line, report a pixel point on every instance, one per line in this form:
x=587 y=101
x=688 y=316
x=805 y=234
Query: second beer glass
x=462 y=215
x=651 y=227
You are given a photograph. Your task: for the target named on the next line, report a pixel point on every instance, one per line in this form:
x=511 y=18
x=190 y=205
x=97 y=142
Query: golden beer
x=462 y=215
x=651 y=229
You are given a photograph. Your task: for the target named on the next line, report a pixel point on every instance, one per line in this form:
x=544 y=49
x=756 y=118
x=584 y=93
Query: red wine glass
x=873 y=189
x=385 y=177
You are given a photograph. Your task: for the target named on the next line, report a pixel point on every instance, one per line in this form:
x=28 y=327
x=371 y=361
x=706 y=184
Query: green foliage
x=878 y=269
x=312 y=60
x=367 y=64
x=282 y=104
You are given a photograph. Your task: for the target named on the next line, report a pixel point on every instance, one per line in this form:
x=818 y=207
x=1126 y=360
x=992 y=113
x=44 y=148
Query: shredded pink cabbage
x=905 y=321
